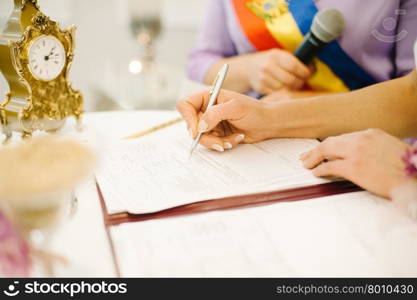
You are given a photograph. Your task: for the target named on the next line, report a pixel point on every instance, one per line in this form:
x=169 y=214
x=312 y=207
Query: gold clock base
x=11 y=123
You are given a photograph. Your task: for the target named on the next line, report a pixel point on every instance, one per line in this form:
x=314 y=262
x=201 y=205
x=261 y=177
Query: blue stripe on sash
x=333 y=55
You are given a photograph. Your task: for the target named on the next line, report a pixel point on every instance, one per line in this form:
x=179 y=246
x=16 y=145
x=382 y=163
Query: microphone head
x=328 y=25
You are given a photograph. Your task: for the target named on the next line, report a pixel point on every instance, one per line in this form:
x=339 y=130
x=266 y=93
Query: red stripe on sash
x=254 y=27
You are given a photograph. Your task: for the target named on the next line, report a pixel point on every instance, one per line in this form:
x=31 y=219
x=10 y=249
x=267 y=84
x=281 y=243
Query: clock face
x=46 y=58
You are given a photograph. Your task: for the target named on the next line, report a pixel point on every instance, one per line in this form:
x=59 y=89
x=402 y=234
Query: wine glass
x=146 y=26
x=139 y=80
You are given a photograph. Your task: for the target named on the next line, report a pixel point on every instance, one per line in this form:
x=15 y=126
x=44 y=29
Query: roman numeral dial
x=46 y=58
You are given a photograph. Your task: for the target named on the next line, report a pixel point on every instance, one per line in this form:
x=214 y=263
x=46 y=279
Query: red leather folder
x=288 y=195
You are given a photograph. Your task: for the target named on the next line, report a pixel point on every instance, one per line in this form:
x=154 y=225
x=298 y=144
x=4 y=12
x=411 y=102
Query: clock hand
x=52 y=51
x=50 y=54
x=47 y=57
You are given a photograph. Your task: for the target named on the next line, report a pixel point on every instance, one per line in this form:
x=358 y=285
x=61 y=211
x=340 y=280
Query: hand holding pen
x=232 y=120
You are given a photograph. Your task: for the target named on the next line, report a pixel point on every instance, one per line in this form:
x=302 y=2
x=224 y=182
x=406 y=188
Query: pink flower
x=14 y=252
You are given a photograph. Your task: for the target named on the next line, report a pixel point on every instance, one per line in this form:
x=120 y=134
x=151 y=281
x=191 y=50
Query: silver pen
x=214 y=93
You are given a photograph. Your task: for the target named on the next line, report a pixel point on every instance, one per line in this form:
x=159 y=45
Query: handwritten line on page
x=154 y=172
x=354 y=234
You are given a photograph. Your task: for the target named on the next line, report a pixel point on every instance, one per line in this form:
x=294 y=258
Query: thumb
x=228 y=111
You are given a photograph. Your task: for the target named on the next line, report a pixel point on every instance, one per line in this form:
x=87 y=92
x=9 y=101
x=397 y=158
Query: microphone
x=328 y=25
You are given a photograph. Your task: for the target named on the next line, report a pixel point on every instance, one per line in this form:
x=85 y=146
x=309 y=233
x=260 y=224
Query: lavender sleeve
x=214 y=42
x=404 y=58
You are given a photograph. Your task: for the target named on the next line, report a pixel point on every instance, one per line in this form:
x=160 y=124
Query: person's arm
x=285 y=94
x=264 y=72
x=390 y=106
x=213 y=44
x=237 y=78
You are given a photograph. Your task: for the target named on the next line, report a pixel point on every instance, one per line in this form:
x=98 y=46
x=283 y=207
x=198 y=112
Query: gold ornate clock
x=35 y=58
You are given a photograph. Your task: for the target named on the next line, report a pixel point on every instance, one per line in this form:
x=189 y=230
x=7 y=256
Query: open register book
x=146 y=177
x=346 y=235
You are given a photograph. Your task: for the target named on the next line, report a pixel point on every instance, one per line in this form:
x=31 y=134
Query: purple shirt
x=379 y=36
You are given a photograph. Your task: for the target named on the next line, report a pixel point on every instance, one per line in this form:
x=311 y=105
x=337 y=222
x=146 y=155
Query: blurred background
x=130 y=54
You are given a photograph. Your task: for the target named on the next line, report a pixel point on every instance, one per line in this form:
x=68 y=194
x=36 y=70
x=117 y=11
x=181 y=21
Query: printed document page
x=155 y=172
x=354 y=234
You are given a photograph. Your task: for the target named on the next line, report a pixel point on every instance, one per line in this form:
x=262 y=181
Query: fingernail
x=217 y=147
x=304 y=155
x=228 y=145
x=240 y=138
x=202 y=126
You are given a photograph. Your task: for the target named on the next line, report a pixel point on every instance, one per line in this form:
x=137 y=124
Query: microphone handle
x=309 y=48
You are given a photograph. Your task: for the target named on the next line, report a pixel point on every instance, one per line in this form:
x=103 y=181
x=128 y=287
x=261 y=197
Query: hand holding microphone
x=272 y=70
x=269 y=71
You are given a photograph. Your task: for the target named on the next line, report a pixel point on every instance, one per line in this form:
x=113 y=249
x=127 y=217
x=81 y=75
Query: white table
x=83 y=240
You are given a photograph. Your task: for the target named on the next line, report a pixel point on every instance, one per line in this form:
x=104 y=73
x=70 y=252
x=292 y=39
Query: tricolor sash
x=282 y=24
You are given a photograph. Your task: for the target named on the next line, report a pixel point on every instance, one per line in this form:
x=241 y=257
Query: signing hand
x=235 y=119
x=271 y=70
x=370 y=159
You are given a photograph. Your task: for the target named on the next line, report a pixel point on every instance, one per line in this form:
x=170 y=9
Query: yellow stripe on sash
x=285 y=30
